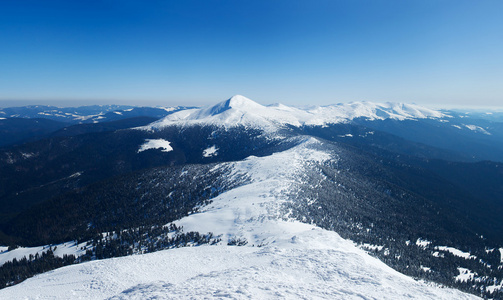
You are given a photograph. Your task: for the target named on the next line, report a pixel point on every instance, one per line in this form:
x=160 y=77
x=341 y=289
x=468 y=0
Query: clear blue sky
x=293 y=52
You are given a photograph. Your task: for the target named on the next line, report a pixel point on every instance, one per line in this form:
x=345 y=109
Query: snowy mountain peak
x=237 y=102
x=241 y=102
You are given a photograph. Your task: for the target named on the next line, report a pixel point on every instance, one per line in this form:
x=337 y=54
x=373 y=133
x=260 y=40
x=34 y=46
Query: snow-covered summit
x=236 y=102
x=240 y=110
x=237 y=110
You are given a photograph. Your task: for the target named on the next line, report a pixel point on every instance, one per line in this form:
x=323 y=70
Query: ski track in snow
x=294 y=261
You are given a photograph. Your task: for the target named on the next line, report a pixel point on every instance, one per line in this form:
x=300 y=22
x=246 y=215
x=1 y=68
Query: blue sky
x=294 y=52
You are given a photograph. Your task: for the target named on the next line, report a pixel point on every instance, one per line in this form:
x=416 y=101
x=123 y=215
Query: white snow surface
x=372 y=247
x=425 y=269
x=156 y=144
x=494 y=287
x=284 y=259
x=60 y=250
x=240 y=110
x=210 y=151
x=422 y=243
x=312 y=264
x=478 y=129
x=456 y=252
x=465 y=274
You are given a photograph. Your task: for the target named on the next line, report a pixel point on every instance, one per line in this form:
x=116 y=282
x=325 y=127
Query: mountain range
x=244 y=200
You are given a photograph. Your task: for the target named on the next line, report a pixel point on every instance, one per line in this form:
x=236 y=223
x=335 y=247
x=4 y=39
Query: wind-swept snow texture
x=240 y=110
x=282 y=258
x=306 y=263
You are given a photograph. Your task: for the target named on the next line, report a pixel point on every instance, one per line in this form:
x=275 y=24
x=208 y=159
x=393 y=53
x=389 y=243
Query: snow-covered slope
x=311 y=264
x=240 y=110
x=282 y=258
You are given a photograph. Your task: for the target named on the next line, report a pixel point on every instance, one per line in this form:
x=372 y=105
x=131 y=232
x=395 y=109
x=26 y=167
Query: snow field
x=311 y=264
x=69 y=248
x=210 y=151
x=156 y=144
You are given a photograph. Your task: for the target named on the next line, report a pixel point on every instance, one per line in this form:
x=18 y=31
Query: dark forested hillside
x=18 y=130
x=390 y=206
x=36 y=172
x=144 y=198
x=476 y=139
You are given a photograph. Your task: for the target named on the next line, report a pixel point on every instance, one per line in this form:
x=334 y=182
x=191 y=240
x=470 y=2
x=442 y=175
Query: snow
x=67 y=248
x=494 y=287
x=27 y=155
x=294 y=269
x=75 y=175
x=372 y=247
x=235 y=213
x=240 y=110
x=19 y=253
x=422 y=243
x=456 y=252
x=156 y=144
x=87 y=117
x=168 y=109
x=425 y=269
x=283 y=258
x=211 y=151
x=478 y=129
x=465 y=275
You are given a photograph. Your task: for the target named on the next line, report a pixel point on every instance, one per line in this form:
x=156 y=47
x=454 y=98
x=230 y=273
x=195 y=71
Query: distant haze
x=71 y=53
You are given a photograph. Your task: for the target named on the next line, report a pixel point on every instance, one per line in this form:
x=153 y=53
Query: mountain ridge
x=278 y=256
x=239 y=110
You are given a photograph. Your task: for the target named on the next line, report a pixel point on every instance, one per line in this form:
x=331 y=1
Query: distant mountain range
x=85 y=114
x=28 y=123
x=286 y=190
